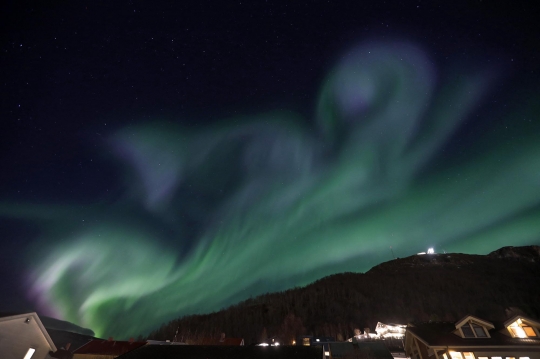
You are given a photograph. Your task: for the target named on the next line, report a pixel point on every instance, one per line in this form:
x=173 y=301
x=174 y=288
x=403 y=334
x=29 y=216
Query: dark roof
x=61 y=338
x=223 y=352
x=441 y=334
x=108 y=347
x=375 y=349
x=226 y=341
x=61 y=354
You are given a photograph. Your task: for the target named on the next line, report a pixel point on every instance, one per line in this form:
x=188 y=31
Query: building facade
x=474 y=338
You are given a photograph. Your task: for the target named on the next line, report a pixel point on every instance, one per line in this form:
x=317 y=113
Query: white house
x=23 y=336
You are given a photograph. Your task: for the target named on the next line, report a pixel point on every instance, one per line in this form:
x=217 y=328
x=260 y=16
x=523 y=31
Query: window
x=479 y=331
x=473 y=330
x=305 y=341
x=496 y=358
x=467 y=331
x=483 y=358
x=520 y=329
x=529 y=331
x=458 y=355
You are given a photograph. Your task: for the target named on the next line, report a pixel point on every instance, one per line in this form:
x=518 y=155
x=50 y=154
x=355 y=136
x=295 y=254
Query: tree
x=264 y=335
x=291 y=328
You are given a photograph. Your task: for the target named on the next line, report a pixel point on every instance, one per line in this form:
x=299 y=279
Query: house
x=361 y=349
x=396 y=331
x=223 y=352
x=105 y=349
x=308 y=340
x=474 y=338
x=23 y=336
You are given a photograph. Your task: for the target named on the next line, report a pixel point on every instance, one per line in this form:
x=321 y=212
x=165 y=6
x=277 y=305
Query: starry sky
x=164 y=158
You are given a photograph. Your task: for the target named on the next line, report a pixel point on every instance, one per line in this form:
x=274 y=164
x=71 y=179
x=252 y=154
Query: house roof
x=108 y=347
x=466 y=318
x=5 y=317
x=375 y=349
x=61 y=354
x=61 y=338
x=441 y=334
x=222 y=352
x=226 y=341
x=516 y=317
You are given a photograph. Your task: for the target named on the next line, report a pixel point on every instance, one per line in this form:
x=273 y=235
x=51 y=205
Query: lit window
x=445 y=356
x=468 y=355
x=524 y=358
x=456 y=355
x=521 y=330
x=518 y=332
x=510 y=357
x=29 y=353
x=529 y=331
x=496 y=358
x=483 y=358
x=305 y=341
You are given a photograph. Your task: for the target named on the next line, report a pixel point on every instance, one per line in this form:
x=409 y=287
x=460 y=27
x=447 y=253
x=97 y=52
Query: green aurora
x=217 y=214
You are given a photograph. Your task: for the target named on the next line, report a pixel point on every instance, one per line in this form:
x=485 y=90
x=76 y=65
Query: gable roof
x=223 y=352
x=108 y=347
x=516 y=317
x=466 y=318
x=6 y=317
x=440 y=334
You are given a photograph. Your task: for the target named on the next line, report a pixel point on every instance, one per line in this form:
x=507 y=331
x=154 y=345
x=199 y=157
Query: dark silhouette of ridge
x=436 y=287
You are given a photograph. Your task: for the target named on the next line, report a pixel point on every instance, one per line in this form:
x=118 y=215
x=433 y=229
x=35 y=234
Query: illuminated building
x=474 y=338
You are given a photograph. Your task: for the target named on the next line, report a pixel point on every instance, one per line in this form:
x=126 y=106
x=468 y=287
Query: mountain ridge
x=443 y=286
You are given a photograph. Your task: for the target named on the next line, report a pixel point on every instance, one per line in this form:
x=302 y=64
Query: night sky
x=170 y=157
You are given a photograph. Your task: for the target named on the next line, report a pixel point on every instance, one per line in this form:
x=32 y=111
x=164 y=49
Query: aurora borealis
x=398 y=149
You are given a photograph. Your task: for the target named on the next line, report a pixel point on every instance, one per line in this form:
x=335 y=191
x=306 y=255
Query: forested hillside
x=417 y=288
